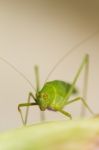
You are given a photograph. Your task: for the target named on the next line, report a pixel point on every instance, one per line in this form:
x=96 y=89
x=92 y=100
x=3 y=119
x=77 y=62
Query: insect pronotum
x=54 y=95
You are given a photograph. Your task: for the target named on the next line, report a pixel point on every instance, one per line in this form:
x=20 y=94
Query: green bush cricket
x=54 y=95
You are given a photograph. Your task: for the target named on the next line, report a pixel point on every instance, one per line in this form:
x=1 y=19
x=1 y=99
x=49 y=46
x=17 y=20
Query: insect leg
x=37 y=78
x=24 y=105
x=42 y=116
x=85 y=86
x=27 y=109
x=65 y=113
x=84 y=103
x=85 y=60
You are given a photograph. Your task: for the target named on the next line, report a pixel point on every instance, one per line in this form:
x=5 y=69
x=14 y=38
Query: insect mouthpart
x=42 y=108
x=42 y=99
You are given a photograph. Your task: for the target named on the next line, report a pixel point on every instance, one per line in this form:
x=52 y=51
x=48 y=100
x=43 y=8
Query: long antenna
x=19 y=72
x=74 y=48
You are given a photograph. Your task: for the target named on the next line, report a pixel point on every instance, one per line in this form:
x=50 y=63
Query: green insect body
x=53 y=95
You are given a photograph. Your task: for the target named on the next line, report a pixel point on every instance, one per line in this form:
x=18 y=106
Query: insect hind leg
x=85 y=85
x=83 y=65
x=84 y=103
x=37 y=78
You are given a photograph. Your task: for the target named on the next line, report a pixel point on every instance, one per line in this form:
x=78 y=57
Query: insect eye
x=45 y=96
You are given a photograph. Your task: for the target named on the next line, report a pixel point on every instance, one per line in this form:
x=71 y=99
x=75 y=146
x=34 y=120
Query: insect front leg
x=84 y=103
x=27 y=109
x=24 y=105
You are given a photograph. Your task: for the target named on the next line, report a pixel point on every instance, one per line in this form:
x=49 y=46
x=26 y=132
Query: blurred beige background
x=41 y=32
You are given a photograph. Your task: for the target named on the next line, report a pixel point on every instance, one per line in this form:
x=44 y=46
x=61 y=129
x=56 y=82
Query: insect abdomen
x=60 y=88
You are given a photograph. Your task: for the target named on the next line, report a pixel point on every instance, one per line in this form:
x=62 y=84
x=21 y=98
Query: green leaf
x=58 y=135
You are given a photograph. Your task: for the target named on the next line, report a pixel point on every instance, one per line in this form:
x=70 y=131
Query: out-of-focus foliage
x=60 y=135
